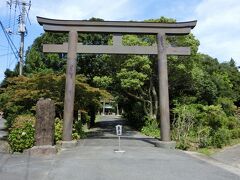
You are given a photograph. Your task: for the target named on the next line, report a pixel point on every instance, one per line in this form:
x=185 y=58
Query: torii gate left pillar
x=70 y=85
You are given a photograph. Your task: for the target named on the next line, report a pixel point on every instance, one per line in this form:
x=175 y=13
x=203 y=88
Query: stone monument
x=45 y=112
x=44 y=128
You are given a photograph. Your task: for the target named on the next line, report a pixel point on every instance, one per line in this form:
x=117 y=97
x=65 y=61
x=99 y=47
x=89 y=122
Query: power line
x=23 y=15
x=10 y=42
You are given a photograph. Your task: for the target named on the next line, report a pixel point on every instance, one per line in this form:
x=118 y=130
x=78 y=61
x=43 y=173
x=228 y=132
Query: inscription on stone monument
x=45 y=113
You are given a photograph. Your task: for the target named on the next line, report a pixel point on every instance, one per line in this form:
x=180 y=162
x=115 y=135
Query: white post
x=119 y=145
x=103 y=107
x=119 y=133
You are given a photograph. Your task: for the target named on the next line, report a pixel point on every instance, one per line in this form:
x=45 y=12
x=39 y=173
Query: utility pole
x=22 y=30
x=22 y=4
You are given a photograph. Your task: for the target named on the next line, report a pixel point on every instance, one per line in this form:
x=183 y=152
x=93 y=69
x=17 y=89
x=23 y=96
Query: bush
x=221 y=138
x=58 y=129
x=235 y=133
x=184 y=120
x=227 y=105
x=78 y=130
x=151 y=127
x=85 y=118
x=232 y=123
x=214 y=117
x=76 y=133
x=204 y=137
x=21 y=135
x=134 y=114
x=75 y=136
x=204 y=126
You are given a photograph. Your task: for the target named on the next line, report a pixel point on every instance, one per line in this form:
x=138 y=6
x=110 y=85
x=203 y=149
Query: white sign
x=119 y=130
x=119 y=133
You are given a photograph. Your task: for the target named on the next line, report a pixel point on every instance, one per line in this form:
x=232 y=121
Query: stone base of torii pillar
x=45 y=150
x=166 y=144
x=68 y=144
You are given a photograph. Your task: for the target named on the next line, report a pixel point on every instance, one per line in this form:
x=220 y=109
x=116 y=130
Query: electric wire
x=30 y=3
x=10 y=42
x=11 y=32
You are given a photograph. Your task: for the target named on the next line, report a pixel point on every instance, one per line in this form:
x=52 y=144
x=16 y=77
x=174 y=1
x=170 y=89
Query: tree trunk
x=155 y=99
x=151 y=100
x=145 y=108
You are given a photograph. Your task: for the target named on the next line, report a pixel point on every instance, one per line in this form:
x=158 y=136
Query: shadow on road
x=105 y=130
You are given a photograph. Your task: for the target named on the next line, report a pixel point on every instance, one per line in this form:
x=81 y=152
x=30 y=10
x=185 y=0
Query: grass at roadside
x=98 y=117
x=210 y=151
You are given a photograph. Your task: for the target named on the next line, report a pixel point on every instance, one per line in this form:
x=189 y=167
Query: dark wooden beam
x=42 y=21
x=129 y=30
x=178 y=28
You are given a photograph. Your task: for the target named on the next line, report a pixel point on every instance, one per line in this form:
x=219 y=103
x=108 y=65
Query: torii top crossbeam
x=179 y=28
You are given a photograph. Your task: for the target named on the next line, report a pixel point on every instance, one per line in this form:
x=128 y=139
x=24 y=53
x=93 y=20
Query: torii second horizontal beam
x=106 y=49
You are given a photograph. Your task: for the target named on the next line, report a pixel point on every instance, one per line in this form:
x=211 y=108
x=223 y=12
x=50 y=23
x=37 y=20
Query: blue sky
x=217 y=29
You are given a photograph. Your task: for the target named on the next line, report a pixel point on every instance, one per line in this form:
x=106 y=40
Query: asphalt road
x=3 y=133
x=229 y=155
x=95 y=159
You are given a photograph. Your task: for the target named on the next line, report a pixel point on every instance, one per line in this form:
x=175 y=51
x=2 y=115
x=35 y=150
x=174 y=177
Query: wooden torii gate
x=117 y=28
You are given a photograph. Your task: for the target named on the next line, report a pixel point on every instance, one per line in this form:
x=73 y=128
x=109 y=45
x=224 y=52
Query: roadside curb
x=214 y=162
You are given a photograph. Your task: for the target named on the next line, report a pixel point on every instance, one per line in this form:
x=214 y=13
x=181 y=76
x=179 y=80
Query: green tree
x=22 y=93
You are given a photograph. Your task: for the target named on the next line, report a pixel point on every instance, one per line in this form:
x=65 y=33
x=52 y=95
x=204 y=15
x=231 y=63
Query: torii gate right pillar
x=163 y=94
x=163 y=88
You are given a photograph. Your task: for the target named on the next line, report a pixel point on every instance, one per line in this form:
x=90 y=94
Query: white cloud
x=84 y=9
x=3 y=3
x=218 y=28
x=79 y=9
x=3 y=8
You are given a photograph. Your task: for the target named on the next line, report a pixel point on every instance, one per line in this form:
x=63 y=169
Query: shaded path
x=4 y=147
x=104 y=134
x=3 y=132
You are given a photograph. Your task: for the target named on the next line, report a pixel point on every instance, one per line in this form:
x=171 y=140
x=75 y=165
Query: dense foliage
x=77 y=132
x=204 y=94
x=22 y=132
x=200 y=126
x=21 y=135
x=20 y=94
